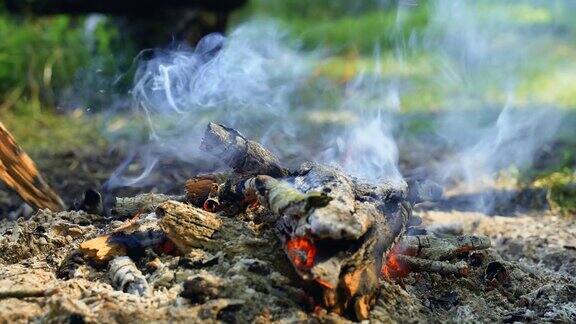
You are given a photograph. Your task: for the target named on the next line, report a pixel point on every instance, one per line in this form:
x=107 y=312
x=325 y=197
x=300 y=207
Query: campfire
x=314 y=239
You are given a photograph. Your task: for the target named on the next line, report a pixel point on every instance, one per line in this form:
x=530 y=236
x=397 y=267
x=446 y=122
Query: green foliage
x=39 y=57
x=561 y=190
x=345 y=26
x=318 y=9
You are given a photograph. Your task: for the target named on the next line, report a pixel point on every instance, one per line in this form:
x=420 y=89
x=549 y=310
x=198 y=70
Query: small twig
x=439 y=267
x=27 y=293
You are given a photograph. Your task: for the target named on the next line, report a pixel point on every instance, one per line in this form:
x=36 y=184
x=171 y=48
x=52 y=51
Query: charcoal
x=201 y=288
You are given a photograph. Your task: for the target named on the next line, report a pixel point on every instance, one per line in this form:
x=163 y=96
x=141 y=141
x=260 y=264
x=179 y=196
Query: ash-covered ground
x=528 y=276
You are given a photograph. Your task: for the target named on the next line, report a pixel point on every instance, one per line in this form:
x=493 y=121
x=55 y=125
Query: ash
x=253 y=281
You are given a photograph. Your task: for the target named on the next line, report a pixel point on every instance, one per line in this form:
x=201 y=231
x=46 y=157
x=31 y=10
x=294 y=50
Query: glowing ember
x=393 y=268
x=301 y=252
x=211 y=205
x=168 y=247
x=251 y=199
x=324 y=283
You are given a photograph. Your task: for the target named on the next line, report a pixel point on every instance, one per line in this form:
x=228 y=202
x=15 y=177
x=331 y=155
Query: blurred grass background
x=46 y=63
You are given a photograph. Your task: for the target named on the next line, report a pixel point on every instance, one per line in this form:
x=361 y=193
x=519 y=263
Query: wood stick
x=27 y=293
x=239 y=153
x=19 y=172
x=439 y=267
x=445 y=248
x=143 y=203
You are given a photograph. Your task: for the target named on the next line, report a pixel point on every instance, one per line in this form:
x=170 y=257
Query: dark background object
x=148 y=23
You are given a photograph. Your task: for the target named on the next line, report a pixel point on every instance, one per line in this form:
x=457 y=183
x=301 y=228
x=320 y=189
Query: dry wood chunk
x=101 y=249
x=19 y=172
x=187 y=226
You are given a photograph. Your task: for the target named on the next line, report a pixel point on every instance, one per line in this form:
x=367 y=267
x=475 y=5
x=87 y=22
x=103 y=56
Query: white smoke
x=482 y=52
x=254 y=80
x=260 y=82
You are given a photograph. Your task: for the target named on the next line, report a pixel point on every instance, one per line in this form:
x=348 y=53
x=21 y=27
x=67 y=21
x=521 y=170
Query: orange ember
x=393 y=268
x=301 y=252
x=210 y=205
x=324 y=283
x=251 y=199
x=167 y=247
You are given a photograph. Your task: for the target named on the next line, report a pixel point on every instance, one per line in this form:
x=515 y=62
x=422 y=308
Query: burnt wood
x=334 y=229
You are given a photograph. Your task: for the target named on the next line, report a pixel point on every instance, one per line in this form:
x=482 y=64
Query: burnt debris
x=258 y=243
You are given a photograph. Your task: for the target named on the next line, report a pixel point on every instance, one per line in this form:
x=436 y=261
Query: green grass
x=42 y=57
x=561 y=190
x=49 y=133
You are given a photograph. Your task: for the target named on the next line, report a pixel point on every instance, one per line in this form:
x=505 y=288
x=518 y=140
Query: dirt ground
x=528 y=276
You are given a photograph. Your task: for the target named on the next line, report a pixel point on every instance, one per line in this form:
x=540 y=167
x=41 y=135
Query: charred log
x=334 y=230
x=245 y=156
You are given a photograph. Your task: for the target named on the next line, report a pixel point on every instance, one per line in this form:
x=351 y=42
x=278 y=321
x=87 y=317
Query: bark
x=19 y=172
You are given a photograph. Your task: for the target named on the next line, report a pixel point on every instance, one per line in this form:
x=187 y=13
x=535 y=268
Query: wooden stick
x=19 y=172
x=445 y=248
x=27 y=293
x=143 y=203
x=440 y=267
x=239 y=153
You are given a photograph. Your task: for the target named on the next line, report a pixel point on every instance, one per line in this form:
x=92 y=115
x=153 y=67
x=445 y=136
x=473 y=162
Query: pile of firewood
x=343 y=238
x=258 y=243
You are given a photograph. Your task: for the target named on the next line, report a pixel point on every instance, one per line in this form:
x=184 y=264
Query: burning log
x=427 y=253
x=332 y=232
x=331 y=238
x=19 y=172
